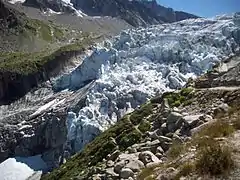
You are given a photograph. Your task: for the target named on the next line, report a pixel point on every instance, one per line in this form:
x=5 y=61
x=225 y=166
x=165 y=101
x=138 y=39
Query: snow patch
x=16 y=1
x=21 y=168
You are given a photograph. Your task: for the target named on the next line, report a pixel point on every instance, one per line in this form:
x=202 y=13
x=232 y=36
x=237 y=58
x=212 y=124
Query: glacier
x=139 y=63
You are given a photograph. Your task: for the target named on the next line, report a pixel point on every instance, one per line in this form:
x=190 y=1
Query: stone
x=166 y=145
x=205 y=118
x=164 y=159
x=132 y=150
x=159 y=155
x=160 y=150
x=135 y=165
x=96 y=177
x=110 y=163
x=147 y=157
x=114 y=155
x=118 y=166
x=153 y=164
x=173 y=117
x=111 y=172
x=177 y=139
x=192 y=121
x=175 y=109
x=153 y=135
x=164 y=129
x=126 y=173
x=169 y=135
x=164 y=139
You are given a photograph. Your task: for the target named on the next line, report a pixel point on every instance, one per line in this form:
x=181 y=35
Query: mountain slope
x=19 y=32
x=136 y=13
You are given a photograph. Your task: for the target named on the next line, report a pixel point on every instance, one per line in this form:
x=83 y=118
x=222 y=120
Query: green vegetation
x=182 y=97
x=214 y=159
x=27 y=63
x=144 y=126
x=42 y=30
x=139 y=114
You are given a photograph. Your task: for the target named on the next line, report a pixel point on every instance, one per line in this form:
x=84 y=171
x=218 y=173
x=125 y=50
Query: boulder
x=118 y=166
x=148 y=157
x=165 y=145
x=135 y=165
x=173 y=117
x=153 y=135
x=110 y=173
x=192 y=121
x=126 y=173
x=160 y=150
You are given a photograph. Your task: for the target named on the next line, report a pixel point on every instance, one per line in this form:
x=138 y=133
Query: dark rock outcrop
x=167 y=14
x=57 y=6
x=43 y=135
x=9 y=18
x=134 y=12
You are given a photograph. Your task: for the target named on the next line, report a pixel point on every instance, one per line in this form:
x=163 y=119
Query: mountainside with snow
x=136 y=13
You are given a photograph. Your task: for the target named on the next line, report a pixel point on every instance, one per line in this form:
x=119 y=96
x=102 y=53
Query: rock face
x=44 y=135
x=136 y=13
x=9 y=17
x=56 y=6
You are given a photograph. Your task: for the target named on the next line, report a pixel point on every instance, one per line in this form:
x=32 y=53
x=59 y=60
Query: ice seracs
x=141 y=63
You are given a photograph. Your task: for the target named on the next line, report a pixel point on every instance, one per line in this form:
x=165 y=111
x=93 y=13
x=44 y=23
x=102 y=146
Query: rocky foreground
x=163 y=139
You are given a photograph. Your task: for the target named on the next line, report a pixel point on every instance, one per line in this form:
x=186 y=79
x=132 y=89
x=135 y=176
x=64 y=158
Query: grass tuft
x=139 y=114
x=214 y=159
x=182 y=97
x=144 y=126
x=175 y=150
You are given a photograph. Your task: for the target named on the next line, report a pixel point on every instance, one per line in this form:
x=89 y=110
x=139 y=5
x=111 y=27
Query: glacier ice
x=22 y=168
x=141 y=63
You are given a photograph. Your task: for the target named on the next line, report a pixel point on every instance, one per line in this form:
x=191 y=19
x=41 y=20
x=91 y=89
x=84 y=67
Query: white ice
x=21 y=168
x=141 y=63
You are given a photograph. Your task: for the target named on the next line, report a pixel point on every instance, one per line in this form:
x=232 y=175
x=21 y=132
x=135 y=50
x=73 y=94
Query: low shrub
x=214 y=159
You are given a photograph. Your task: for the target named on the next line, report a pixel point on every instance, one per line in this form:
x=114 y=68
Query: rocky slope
x=108 y=82
x=136 y=13
x=161 y=138
x=20 y=33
